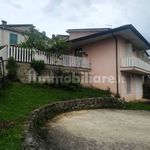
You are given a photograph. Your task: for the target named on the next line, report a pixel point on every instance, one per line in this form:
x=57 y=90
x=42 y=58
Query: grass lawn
x=138 y=105
x=18 y=100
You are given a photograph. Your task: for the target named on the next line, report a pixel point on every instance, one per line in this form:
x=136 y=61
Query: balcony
x=25 y=55
x=135 y=65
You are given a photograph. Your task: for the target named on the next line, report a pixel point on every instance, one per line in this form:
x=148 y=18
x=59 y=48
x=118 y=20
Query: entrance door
x=139 y=87
x=128 y=84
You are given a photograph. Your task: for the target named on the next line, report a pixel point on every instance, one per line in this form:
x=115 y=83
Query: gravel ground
x=100 y=129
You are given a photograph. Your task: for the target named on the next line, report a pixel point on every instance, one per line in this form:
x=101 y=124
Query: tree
x=36 y=40
x=59 y=45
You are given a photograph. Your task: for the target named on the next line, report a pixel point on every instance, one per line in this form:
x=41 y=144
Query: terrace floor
x=100 y=129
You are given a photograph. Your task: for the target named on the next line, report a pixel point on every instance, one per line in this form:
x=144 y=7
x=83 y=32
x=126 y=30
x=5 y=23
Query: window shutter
x=13 y=39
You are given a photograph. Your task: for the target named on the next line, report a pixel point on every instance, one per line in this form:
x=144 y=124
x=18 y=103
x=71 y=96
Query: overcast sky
x=56 y=16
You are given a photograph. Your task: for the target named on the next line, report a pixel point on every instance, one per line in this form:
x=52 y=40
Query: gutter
x=117 y=70
x=3 y=35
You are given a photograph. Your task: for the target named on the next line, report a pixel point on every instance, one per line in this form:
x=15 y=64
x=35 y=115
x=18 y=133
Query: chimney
x=4 y=23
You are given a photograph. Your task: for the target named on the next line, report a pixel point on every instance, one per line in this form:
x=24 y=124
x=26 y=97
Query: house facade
x=114 y=59
x=13 y=34
x=118 y=56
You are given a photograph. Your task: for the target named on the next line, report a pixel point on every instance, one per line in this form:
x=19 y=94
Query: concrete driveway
x=100 y=129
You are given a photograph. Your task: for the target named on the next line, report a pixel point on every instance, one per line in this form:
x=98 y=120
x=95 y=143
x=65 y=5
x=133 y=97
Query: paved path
x=100 y=129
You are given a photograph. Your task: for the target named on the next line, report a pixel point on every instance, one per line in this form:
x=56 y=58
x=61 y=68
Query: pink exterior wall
x=134 y=77
x=102 y=56
x=103 y=60
x=121 y=53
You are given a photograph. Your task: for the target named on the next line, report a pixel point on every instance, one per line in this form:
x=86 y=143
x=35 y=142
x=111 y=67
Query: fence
x=133 y=61
x=27 y=55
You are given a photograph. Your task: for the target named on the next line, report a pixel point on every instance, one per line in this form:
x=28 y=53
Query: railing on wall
x=27 y=55
x=133 y=61
x=4 y=53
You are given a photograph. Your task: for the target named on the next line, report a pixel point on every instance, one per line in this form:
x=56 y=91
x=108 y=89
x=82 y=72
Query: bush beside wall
x=11 y=67
x=146 y=89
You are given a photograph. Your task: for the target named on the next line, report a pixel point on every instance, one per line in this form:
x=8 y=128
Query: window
x=13 y=39
x=79 y=52
x=128 y=84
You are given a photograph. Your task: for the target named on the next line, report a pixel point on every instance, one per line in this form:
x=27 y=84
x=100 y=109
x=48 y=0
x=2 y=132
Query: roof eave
x=11 y=29
x=126 y=27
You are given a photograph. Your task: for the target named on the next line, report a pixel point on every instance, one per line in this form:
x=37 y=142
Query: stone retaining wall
x=32 y=139
x=26 y=74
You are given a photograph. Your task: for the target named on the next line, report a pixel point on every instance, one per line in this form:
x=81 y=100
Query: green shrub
x=146 y=89
x=11 y=67
x=38 y=66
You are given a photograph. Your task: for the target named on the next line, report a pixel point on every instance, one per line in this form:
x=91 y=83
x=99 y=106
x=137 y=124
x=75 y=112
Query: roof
x=88 y=30
x=10 y=29
x=65 y=37
x=18 y=25
x=128 y=32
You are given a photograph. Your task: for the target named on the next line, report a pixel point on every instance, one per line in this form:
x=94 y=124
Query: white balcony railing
x=133 y=61
x=27 y=55
x=3 y=53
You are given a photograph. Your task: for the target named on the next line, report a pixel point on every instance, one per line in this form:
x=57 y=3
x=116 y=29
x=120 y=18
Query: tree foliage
x=35 y=39
x=38 y=40
x=58 y=45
